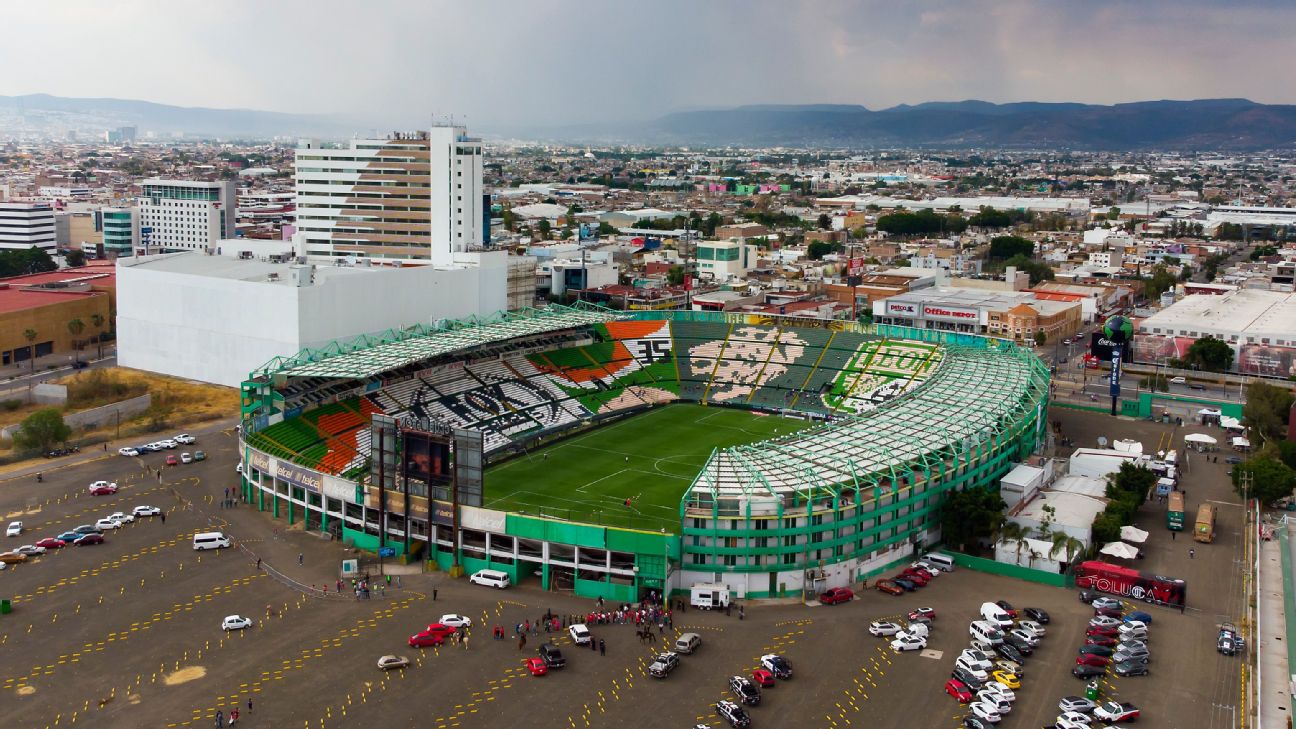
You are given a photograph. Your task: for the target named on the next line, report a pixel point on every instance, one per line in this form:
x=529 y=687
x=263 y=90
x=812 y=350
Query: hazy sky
x=562 y=61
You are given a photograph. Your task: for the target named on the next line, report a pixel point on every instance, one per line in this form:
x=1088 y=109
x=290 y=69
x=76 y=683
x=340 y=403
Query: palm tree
x=1065 y=542
x=30 y=335
x=76 y=326
x=1013 y=533
x=98 y=320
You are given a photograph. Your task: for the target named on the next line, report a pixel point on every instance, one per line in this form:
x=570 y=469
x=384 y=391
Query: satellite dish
x=1102 y=442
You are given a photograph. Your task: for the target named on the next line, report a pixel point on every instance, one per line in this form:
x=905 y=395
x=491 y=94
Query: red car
x=102 y=488
x=172 y=461
x=1089 y=659
x=537 y=666
x=836 y=595
x=958 y=690
x=889 y=587
x=1100 y=640
x=1105 y=632
x=1007 y=607
x=763 y=678
x=90 y=539
x=915 y=576
x=51 y=543
x=440 y=629
x=425 y=640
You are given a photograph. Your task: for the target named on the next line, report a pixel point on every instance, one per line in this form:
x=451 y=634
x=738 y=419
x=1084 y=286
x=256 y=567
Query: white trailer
x=709 y=596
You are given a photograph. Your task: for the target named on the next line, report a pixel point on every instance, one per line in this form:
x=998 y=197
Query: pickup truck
x=663 y=664
x=1114 y=711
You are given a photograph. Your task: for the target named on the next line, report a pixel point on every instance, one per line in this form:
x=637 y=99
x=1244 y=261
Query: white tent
x=1241 y=443
x=1119 y=550
x=1133 y=534
x=1200 y=438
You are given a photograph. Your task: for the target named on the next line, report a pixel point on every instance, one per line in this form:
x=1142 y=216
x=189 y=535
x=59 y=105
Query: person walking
x=1173 y=534
x=220 y=718
x=163 y=515
x=1192 y=554
x=301 y=558
x=434 y=590
x=602 y=647
x=234 y=715
x=465 y=641
x=249 y=706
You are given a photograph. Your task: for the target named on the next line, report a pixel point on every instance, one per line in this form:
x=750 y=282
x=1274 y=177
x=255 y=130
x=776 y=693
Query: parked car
x=128 y=451
x=985 y=712
x=102 y=488
x=967 y=678
x=1013 y=667
x=12 y=558
x=14 y=529
x=146 y=511
x=1007 y=607
x=1087 y=672
x=994 y=687
x=1102 y=621
x=172 y=461
x=958 y=690
x=889 y=587
x=922 y=612
x=1108 y=632
x=908 y=643
x=456 y=621
x=1011 y=680
x=88 y=529
x=185 y=458
x=69 y=537
x=904 y=584
x=763 y=678
x=580 y=634
x=199 y=456
x=1036 y=614
x=1104 y=640
x=1022 y=645
x=106 y=523
x=425 y=639
x=185 y=438
x=1097 y=650
x=1090 y=659
x=746 y=690
x=1113 y=711
x=51 y=543
x=734 y=714
x=1109 y=612
x=30 y=550
x=1088 y=596
x=663 y=664
x=836 y=595
x=1078 y=704
x=883 y=628
x=1009 y=652
x=121 y=516
x=1024 y=635
x=777 y=665
x=1139 y=616
x=536 y=666
x=1032 y=627
x=236 y=622
x=388 y=663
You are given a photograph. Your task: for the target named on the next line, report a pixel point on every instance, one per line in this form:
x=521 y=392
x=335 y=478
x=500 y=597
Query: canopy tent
x=1200 y=438
x=1239 y=442
x=1120 y=550
x=1133 y=534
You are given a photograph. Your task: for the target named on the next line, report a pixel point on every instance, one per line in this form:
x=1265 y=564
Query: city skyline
x=573 y=62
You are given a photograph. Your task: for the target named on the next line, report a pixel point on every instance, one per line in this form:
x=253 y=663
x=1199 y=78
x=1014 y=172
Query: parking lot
x=127 y=633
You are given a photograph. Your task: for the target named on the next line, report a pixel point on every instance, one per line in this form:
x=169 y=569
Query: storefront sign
x=901 y=309
x=932 y=311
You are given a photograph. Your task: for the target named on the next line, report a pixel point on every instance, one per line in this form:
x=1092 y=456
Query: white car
x=1062 y=722
x=121 y=517
x=976 y=658
x=105 y=524
x=1001 y=705
x=1026 y=636
x=185 y=438
x=239 y=468
x=15 y=529
x=186 y=458
x=985 y=712
x=30 y=550
x=1003 y=691
x=127 y=451
x=883 y=628
x=146 y=511
x=1075 y=717
x=456 y=621
x=971 y=667
x=1032 y=627
x=1105 y=602
x=168 y=444
x=580 y=634
x=908 y=643
x=1102 y=621
x=1178 y=381
x=152 y=447
x=1077 y=705
x=236 y=622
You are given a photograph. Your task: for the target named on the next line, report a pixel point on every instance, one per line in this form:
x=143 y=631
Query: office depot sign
x=931 y=311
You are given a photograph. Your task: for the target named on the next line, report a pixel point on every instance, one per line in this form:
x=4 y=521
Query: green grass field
x=650 y=459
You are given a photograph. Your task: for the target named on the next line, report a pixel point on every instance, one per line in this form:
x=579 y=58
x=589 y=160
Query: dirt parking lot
x=127 y=633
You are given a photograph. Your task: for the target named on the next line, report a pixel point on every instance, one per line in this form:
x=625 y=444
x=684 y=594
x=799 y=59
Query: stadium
x=611 y=453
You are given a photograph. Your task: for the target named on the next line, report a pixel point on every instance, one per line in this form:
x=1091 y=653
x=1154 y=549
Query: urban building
x=185 y=215
x=1259 y=325
x=26 y=225
x=120 y=230
x=412 y=197
x=44 y=303
x=213 y=318
x=1009 y=314
x=725 y=259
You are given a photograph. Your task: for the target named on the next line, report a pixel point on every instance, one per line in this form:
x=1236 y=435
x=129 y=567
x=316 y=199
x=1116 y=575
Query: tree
x=1063 y=542
x=1014 y=534
x=20 y=262
x=825 y=222
x=1159 y=282
x=1106 y=528
x=1037 y=270
x=42 y=430
x=1130 y=484
x=675 y=275
x=818 y=249
x=1211 y=354
x=75 y=257
x=75 y=327
x=1266 y=410
x=545 y=228
x=1269 y=479
x=98 y=320
x=30 y=335
x=970 y=515
x=1040 y=338
x=1003 y=247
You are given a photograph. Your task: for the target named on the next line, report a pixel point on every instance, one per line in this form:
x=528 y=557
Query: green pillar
x=275 y=498
x=260 y=498
x=288 y=498
x=544 y=576
x=324 y=514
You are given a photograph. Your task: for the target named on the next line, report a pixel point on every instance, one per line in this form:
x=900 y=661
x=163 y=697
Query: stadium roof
x=369 y=355
x=975 y=394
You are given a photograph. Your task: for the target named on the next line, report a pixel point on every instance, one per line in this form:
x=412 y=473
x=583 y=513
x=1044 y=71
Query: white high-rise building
x=27 y=224
x=413 y=197
x=185 y=215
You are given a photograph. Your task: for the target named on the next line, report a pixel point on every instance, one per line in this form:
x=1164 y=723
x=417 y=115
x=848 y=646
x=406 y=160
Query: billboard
x=1101 y=347
x=425 y=457
x=1260 y=359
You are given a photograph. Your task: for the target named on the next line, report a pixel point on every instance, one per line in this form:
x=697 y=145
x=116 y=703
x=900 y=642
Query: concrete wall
x=95 y=417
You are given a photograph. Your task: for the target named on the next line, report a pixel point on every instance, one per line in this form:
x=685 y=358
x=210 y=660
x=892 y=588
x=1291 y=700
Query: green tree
x=510 y=220
x=970 y=515
x=545 y=228
x=1130 y=484
x=1270 y=479
x=75 y=327
x=1040 y=338
x=1003 y=247
x=30 y=335
x=825 y=222
x=1210 y=354
x=1015 y=535
x=1106 y=528
x=1113 y=213
x=42 y=430
x=98 y=320
x=75 y=257
x=990 y=218
x=1159 y=282
x=1063 y=542
x=675 y=275
x=1266 y=410
x=819 y=248
x=1037 y=270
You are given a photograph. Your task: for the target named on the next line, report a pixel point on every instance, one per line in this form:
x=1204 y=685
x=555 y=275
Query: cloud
x=568 y=61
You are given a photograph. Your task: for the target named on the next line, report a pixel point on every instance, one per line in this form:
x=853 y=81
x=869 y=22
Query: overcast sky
x=538 y=63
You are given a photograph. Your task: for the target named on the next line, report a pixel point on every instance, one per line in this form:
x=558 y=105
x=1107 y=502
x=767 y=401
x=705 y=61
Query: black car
x=552 y=657
x=734 y=714
x=968 y=679
x=972 y=722
x=1096 y=650
x=1011 y=653
x=1037 y=615
x=906 y=584
x=1088 y=596
x=1007 y=606
x=1233 y=460
x=1132 y=667
x=777 y=665
x=1022 y=646
x=746 y=691
x=1084 y=672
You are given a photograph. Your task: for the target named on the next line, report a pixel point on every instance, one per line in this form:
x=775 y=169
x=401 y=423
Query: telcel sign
x=932 y=311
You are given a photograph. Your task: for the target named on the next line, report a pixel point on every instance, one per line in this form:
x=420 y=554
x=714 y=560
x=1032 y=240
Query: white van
x=995 y=615
x=490 y=578
x=981 y=630
x=942 y=562
x=210 y=540
x=687 y=643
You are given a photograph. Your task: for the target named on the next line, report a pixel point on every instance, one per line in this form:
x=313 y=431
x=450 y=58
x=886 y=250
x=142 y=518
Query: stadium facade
x=899 y=417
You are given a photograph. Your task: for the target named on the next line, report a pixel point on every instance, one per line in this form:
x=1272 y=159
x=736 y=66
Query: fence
x=980 y=564
x=1289 y=599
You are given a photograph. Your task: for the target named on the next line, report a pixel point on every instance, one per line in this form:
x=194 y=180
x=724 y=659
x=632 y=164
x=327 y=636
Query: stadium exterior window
x=698 y=558
x=789 y=541
x=730 y=560
x=789 y=558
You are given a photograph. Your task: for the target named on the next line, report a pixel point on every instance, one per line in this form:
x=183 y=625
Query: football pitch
x=650 y=459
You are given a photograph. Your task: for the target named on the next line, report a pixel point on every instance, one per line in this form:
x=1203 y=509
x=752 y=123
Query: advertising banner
x=899 y=308
x=950 y=313
x=1268 y=361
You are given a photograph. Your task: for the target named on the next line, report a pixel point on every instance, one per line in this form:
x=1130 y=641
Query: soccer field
x=650 y=459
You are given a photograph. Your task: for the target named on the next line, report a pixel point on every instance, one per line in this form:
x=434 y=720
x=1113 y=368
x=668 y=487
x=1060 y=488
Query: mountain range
x=1206 y=124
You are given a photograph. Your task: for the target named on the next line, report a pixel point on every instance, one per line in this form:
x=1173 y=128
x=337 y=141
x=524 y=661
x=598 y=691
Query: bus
x=1175 y=512
x=1205 y=530
x=1130 y=583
